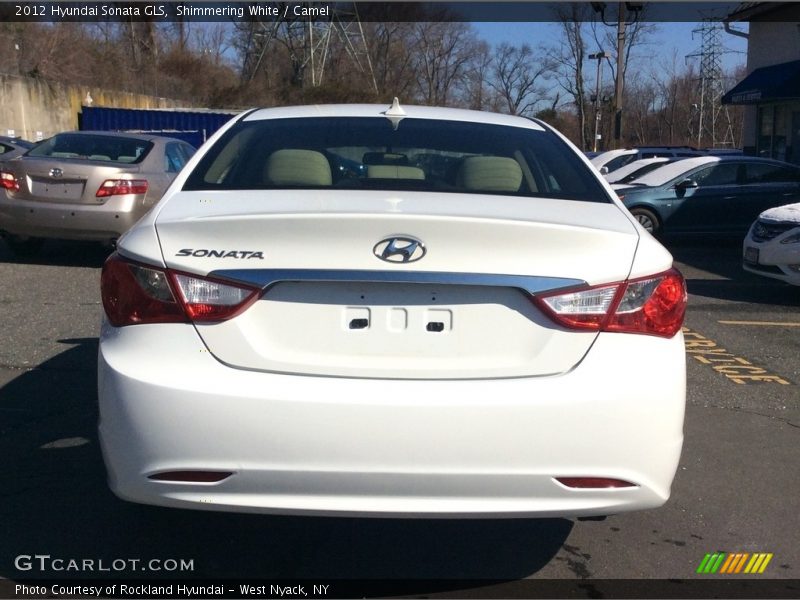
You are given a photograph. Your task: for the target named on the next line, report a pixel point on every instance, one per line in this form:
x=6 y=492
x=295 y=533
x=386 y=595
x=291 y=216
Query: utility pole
x=598 y=56
x=623 y=10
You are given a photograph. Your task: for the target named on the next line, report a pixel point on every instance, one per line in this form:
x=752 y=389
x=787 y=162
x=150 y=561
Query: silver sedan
x=85 y=186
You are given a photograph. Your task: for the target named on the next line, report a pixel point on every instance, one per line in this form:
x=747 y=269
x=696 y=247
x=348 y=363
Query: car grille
x=763 y=232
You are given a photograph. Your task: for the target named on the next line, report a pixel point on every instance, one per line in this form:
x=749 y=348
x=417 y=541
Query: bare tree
x=479 y=93
x=444 y=52
x=391 y=59
x=568 y=59
x=516 y=74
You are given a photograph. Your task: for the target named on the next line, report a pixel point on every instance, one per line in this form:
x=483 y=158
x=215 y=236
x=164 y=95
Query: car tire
x=25 y=246
x=647 y=219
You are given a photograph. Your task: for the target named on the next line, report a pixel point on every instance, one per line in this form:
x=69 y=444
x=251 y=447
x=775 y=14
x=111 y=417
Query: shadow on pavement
x=55 y=502
x=60 y=253
x=722 y=257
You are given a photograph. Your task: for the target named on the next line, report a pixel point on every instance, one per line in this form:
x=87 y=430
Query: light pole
x=623 y=9
x=598 y=56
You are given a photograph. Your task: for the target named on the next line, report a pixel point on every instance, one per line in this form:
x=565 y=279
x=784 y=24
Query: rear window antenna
x=395 y=114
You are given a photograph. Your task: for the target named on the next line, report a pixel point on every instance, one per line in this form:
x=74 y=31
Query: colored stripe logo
x=734 y=562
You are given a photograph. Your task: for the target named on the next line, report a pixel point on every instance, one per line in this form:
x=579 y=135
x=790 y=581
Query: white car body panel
x=286 y=226
x=375 y=447
x=311 y=417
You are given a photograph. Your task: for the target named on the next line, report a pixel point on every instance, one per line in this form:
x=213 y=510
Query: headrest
x=297 y=167
x=489 y=174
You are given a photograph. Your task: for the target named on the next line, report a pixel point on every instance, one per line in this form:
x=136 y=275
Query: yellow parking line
x=762 y=323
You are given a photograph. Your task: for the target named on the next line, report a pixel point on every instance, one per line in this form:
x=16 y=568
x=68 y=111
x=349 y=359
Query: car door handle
x=728 y=197
x=787 y=194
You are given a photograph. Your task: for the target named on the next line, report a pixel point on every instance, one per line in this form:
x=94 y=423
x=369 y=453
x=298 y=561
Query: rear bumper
x=70 y=221
x=340 y=446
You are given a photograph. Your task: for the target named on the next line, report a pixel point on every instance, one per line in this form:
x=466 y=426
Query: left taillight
x=8 y=181
x=652 y=305
x=134 y=293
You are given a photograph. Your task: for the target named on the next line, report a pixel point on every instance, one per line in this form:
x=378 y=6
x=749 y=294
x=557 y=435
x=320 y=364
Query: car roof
x=673 y=169
x=146 y=137
x=379 y=110
x=635 y=165
x=608 y=155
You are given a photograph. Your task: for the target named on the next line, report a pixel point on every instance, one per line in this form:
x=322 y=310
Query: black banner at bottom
x=423 y=588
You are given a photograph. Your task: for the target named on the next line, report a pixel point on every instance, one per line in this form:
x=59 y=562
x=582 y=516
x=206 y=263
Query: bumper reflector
x=191 y=476
x=594 y=482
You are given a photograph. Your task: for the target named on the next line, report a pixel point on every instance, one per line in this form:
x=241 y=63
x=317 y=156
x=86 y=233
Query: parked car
x=11 y=147
x=772 y=246
x=85 y=186
x=611 y=160
x=710 y=194
x=636 y=169
x=283 y=337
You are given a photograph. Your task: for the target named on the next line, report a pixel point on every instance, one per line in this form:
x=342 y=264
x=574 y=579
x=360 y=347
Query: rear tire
x=25 y=246
x=647 y=219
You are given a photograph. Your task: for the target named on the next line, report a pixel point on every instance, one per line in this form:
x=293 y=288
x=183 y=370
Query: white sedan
x=772 y=246
x=408 y=311
x=636 y=169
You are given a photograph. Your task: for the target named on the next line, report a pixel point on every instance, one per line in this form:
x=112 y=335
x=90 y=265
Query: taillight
x=652 y=305
x=209 y=300
x=8 y=181
x=120 y=187
x=133 y=294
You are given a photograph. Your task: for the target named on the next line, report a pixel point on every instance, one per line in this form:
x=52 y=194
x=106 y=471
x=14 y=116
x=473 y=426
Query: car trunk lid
x=64 y=181
x=331 y=306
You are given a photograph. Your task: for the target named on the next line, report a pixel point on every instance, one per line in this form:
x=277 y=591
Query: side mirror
x=603 y=170
x=686 y=184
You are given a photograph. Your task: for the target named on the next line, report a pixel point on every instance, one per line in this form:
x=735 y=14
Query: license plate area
x=57 y=190
x=751 y=255
x=396 y=330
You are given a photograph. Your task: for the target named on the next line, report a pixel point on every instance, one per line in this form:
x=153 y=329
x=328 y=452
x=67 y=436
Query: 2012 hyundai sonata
x=408 y=311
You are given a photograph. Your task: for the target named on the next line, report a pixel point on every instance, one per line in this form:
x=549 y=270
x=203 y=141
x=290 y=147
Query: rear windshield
x=93 y=147
x=420 y=154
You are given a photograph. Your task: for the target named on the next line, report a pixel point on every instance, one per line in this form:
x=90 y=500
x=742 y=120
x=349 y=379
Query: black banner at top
x=234 y=11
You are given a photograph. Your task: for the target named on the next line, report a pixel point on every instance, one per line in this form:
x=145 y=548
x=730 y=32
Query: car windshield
x=419 y=155
x=93 y=147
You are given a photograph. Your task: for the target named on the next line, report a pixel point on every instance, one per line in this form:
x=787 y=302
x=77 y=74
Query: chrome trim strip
x=265 y=278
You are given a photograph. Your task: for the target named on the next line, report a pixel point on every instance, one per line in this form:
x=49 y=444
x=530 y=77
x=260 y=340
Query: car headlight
x=792 y=239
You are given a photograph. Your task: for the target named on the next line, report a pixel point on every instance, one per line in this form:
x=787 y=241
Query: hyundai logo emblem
x=56 y=172
x=399 y=249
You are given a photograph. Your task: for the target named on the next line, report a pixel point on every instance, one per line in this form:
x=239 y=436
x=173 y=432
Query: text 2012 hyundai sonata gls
x=391 y=311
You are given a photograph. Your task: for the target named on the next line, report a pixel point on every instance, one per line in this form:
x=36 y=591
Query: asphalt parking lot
x=736 y=489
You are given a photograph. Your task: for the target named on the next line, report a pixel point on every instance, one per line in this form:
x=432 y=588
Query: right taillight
x=8 y=181
x=652 y=305
x=134 y=293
